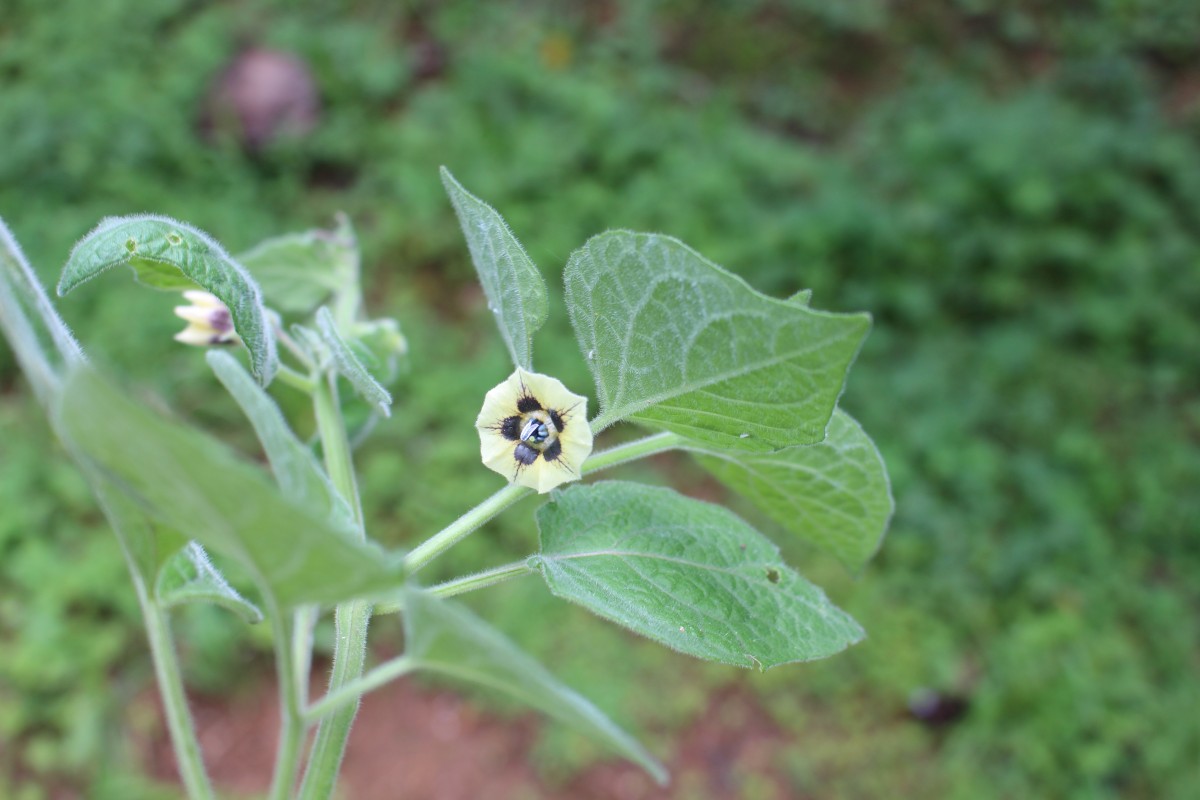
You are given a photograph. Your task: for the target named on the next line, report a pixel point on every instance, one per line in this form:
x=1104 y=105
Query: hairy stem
x=462 y=527
x=353 y=691
x=170 y=686
x=292 y=729
x=351 y=619
x=480 y=580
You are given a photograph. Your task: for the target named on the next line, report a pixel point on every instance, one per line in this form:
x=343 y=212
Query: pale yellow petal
x=203 y=299
x=575 y=451
x=499 y=403
x=196 y=315
x=195 y=336
x=549 y=391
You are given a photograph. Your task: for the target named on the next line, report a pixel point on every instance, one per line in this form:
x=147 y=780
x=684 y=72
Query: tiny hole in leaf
x=174 y=238
x=131 y=244
x=773 y=575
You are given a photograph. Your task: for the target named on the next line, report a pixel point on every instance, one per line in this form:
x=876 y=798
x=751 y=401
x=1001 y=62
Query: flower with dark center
x=533 y=431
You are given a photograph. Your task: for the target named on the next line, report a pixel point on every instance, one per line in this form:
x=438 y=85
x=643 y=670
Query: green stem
x=291 y=734
x=353 y=691
x=305 y=619
x=170 y=685
x=351 y=619
x=631 y=451
x=480 y=580
x=296 y=380
x=462 y=527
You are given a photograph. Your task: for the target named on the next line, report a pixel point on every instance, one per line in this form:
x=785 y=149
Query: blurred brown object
x=262 y=95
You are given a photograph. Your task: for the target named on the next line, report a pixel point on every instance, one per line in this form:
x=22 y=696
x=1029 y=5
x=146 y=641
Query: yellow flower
x=208 y=320
x=533 y=431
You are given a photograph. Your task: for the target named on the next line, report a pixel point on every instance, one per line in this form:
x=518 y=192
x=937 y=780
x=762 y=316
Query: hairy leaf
x=349 y=366
x=296 y=471
x=515 y=289
x=167 y=254
x=40 y=339
x=189 y=577
x=445 y=637
x=835 y=494
x=688 y=574
x=299 y=271
x=676 y=342
x=191 y=483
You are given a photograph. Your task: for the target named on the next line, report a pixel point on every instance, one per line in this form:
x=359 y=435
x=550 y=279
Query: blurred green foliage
x=1011 y=188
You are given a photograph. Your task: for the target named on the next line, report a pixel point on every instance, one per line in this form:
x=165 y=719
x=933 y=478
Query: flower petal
x=505 y=401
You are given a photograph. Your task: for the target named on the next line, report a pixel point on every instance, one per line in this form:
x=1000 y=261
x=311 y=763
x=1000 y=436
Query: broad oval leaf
x=191 y=483
x=685 y=573
x=835 y=495
x=444 y=637
x=167 y=254
x=349 y=366
x=515 y=290
x=299 y=271
x=676 y=342
x=190 y=577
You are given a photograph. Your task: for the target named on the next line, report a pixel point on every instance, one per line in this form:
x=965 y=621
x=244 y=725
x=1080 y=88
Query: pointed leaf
x=515 y=290
x=835 y=494
x=688 y=574
x=296 y=471
x=168 y=254
x=40 y=339
x=676 y=342
x=299 y=271
x=445 y=637
x=189 y=577
x=191 y=483
x=348 y=365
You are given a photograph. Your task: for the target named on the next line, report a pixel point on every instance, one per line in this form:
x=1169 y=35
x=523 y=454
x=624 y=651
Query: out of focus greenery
x=1011 y=188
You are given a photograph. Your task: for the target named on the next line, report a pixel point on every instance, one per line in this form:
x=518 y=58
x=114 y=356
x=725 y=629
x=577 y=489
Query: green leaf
x=189 y=577
x=515 y=289
x=191 y=483
x=835 y=494
x=296 y=471
x=676 y=342
x=348 y=365
x=445 y=637
x=299 y=271
x=38 y=336
x=688 y=574
x=802 y=298
x=167 y=254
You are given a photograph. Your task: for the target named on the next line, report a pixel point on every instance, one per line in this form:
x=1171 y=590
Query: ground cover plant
x=747 y=383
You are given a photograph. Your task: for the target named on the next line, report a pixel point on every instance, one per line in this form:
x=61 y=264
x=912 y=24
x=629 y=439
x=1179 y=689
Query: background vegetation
x=1012 y=189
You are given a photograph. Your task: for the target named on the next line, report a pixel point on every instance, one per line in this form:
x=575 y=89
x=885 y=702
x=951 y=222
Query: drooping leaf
x=191 y=483
x=515 y=290
x=189 y=577
x=295 y=468
x=835 y=494
x=349 y=366
x=40 y=339
x=299 y=271
x=676 y=342
x=167 y=254
x=688 y=574
x=444 y=637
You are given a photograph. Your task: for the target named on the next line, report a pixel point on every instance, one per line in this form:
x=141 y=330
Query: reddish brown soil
x=429 y=744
